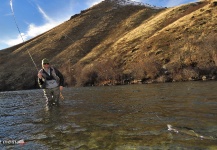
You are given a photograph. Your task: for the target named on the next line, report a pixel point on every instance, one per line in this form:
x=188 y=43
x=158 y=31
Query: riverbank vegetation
x=151 y=69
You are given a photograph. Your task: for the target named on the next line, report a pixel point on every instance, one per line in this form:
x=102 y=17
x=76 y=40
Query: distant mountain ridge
x=119 y=42
x=126 y=2
x=130 y=2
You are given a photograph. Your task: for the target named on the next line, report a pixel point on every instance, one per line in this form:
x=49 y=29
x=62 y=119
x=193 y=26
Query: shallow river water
x=131 y=117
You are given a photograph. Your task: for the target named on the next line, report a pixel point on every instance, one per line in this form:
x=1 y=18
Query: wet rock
x=204 y=78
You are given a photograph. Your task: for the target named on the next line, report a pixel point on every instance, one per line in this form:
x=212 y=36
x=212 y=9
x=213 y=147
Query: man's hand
x=61 y=88
x=40 y=75
x=61 y=96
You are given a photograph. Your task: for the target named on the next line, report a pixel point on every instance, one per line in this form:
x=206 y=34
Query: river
x=130 y=117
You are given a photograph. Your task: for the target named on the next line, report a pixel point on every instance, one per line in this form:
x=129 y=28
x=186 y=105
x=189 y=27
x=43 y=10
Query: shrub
x=137 y=70
x=190 y=73
x=106 y=71
x=148 y=68
x=164 y=78
x=87 y=77
x=152 y=67
x=69 y=74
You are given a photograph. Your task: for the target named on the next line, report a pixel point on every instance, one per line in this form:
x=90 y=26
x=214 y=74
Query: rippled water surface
x=113 y=118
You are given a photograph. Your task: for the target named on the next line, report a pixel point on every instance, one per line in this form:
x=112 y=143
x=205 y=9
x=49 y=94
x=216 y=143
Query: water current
x=130 y=117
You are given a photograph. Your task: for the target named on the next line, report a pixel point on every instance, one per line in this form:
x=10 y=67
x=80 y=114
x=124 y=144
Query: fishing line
x=73 y=40
x=12 y=10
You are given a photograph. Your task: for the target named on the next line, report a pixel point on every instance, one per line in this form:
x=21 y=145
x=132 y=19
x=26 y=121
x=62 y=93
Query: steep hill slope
x=113 y=42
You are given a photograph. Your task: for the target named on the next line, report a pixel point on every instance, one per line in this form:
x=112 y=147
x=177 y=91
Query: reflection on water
x=115 y=117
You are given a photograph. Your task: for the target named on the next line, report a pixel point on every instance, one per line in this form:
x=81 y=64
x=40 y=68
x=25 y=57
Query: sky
x=21 y=20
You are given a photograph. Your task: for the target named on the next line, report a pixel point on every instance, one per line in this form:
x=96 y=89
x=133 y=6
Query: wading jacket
x=54 y=75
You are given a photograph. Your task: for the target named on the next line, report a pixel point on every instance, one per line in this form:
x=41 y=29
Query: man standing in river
x=51 y=81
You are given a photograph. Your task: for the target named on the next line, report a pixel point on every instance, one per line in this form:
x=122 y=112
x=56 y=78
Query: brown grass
x=106 y=45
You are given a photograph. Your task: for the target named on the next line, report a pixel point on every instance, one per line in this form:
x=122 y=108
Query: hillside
x=115 y=42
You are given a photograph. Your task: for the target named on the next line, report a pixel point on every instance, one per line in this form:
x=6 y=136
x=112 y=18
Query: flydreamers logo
x=12 y=142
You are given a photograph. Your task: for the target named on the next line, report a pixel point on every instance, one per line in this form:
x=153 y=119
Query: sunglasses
x=45 y=63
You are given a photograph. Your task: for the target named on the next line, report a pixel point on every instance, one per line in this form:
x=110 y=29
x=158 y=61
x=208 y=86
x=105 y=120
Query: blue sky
x=34 y=17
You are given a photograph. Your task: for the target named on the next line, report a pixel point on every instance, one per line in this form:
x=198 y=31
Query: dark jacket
x=54 y=75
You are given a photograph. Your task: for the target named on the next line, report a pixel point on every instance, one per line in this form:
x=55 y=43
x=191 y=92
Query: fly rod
x=12 y=10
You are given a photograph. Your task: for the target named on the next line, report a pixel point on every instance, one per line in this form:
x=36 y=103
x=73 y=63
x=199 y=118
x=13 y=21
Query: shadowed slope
x=120 y=36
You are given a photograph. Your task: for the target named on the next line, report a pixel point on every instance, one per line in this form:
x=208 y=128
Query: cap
x=45 y=60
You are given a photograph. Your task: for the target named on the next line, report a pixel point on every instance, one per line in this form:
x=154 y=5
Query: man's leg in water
x=56 y=95
x=49 y=96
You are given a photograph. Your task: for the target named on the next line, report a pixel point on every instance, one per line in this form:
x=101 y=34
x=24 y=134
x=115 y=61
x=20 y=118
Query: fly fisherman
x=51 y=81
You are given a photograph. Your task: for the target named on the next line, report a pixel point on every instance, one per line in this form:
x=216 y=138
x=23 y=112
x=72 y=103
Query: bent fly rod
x=12 y=10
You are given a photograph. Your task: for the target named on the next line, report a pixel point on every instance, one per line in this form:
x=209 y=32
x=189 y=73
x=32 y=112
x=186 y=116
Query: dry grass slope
x=112 y=44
